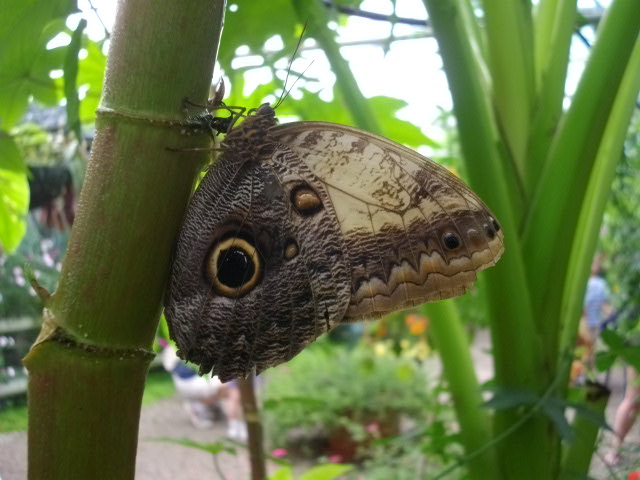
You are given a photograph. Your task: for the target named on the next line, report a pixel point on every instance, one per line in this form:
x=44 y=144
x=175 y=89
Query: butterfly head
x=250 y=140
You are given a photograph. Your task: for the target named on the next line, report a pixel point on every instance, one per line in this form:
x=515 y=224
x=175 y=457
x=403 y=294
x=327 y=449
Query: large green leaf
x=10 y=157
x=25 y=63
x=263 y=20
x=14 y=195
x=91 y=74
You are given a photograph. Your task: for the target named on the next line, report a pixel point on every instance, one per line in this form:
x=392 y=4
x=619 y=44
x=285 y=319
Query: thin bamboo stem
x=254 y=428
x=453 y=347
x=88 y=366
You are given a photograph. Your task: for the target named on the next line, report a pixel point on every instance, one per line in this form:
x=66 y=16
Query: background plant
x=317 y=390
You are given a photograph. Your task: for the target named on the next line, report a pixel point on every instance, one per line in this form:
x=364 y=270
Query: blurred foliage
x=403 y=333
x=619 y=242
x=13 y=415
x=26 y=63
x=316 y=390
x=620 y=234
x=42 y=252
x=328 y=471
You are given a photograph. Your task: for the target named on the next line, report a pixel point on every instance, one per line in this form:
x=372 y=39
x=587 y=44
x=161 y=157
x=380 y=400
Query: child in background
x=202 y=394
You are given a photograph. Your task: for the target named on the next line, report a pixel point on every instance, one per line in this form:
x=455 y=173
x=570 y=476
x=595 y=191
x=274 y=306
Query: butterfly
x=300 y=227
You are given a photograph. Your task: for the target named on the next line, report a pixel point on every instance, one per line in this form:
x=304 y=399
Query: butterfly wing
x=251 y=285
x=413 y=232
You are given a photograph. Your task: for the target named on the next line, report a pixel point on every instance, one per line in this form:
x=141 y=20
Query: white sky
x=396 y=74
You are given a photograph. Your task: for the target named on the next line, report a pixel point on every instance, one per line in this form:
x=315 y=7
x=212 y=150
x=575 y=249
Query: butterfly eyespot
x=489 y=230
x=291 y=250
x=451 y=241
x=305 y=199
x=234 y=267
x=495 y=224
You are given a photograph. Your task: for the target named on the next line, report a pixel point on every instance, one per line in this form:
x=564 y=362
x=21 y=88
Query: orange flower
x=417 y=323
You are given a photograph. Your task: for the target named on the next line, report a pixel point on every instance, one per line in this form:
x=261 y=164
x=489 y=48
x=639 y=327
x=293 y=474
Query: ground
x=160 y=460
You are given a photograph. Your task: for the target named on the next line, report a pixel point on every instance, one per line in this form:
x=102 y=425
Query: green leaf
x=605 y=360
x=553 y=408
x=283 y=473
x=613 y=339
x=25 y=29
x=91 y=74
x=14 y=205
x=326 y=472
x=70 y=79
x=264 y=20
x=400 y=131
x=631 y=355
x=590 y=415
x=10 y=157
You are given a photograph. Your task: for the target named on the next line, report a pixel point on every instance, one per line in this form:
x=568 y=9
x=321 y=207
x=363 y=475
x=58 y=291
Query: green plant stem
x=596 y=197
x=316 y=15
x=254 y=428
x=577 y=457
x=555 y=22
x=570 y=161
x=516 y=342
x=87 y=368
x=510 y=40
x=453 y=346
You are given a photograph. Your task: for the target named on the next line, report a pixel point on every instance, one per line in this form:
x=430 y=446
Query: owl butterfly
x=300 y=227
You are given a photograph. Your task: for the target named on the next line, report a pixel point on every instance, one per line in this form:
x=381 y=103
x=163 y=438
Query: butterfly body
x=299 y=227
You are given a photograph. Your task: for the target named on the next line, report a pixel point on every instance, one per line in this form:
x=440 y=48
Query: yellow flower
x=380 y=349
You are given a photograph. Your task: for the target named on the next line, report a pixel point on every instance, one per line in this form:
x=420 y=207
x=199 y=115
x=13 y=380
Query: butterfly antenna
x=285 y=92
x=292 y=85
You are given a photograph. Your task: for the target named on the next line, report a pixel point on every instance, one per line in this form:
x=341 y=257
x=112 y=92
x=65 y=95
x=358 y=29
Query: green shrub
x=327 y=387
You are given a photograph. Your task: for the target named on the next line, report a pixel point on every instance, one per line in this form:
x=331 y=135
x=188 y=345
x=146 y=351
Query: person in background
x=596 y=300
x=596 y=309
x=202 y=394
x=626 y=415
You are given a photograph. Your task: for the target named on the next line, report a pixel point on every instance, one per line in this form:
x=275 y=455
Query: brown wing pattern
x=414 y=232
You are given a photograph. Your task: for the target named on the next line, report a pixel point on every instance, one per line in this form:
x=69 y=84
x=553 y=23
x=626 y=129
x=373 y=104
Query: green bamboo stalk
x=592 y=211
x=315 y=14
x=452 y=344
x=479 y=139
x=555 y=22
x=551 y=226
x=577 y=456
x=87 y=368
x=573 y=152
x=516 y=343
x=477 y=41
x=544 y=22
x=510 y=40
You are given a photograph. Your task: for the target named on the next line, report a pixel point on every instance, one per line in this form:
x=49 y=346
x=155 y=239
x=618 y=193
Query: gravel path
x=159 y=460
